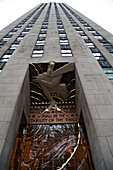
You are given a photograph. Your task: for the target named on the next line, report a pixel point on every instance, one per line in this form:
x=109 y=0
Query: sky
x=99 y=11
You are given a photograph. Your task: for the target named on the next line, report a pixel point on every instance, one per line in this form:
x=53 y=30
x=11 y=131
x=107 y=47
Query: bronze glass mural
x=53 y=139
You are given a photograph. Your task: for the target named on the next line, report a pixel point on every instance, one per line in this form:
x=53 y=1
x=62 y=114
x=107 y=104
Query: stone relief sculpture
x=50 y=81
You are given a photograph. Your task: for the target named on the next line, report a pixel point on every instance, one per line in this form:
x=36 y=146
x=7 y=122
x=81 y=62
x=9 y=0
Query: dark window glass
x=8 y=36
x=86 y=25
x=44 y=27
x=94 y=50
x=59 y=23
x=102 y=41
x=9 y=51
x=104 y=64
x=78 y=29
x=65 y=47
x=43 y=32
x=108 y=70
x=110 y=76
x=63 y=38
x=41 y=38
x=96 y=34
x=61 y=32
x=90 y=29
x=2 y=64
x=75 y=25
x=82 y=33
x=39 y=47
x=22 y=35
x=87 y=40
x=99 y=58
x=109 y=48
x=83 y=22
x=16 y=42
x=2 y=43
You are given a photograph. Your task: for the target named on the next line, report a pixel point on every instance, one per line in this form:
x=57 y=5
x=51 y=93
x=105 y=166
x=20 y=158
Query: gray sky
x=100 y=11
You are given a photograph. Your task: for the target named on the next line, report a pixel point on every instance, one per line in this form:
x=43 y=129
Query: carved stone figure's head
x=50 y=67
x=52 y=64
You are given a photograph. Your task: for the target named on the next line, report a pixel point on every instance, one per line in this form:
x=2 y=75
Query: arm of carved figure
x=55 y=81
x=66 y=68
x=37 y=78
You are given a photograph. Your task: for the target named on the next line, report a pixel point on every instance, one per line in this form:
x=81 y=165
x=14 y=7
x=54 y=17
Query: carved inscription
x=52 y=117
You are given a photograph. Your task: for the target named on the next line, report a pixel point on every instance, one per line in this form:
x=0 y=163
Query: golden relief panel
x=58 y=81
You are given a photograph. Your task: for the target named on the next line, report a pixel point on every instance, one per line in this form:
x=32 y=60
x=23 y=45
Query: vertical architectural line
x=17 y=27
x=64 y=42
x=8 y=53
x=40 y=42
x=96 y=35
x=106 y=66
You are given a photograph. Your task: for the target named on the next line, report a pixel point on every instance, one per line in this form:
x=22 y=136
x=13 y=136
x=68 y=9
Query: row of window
x=7 y=55
x=16 y=28
x=39 y=46
x=102 y=40
x=64 y=43
x=108 y=69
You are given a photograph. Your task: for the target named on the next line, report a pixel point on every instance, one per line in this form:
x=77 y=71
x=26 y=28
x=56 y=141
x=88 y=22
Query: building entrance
x=53 y=138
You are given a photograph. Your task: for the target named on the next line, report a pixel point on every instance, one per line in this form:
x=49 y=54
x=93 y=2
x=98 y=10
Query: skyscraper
x=81 y=85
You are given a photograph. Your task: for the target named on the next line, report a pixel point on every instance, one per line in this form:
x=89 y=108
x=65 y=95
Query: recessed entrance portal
x=53 y=138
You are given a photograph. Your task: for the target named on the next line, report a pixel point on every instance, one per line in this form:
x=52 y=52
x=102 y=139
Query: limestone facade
x=94 y=91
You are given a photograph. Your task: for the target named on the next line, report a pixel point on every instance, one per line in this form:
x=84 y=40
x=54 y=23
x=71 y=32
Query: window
x=22 y=34
x=104 y=64
x=6 y=39
x=75 y=25
x=19 y=38
x=85 y=37
x=6 y=56
x=98 y=37
x=65 y=47
x=110 y=76
x=94 y=49
x=82 y=34
x=97 y=54
x=2 y=43
x=90 y=29
x=87 y=41
x=44 y=27
x=14 y=46
x=78 y=29
x=61 y=31
x=43 y=31
x=99 y=58
x=86 y=25
x=108 y=70
x=109 y=48
x=64 y=41
x=2 y=64
x=90 y=45
x=16 y=41
x=39 y=47
x=9 y=51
